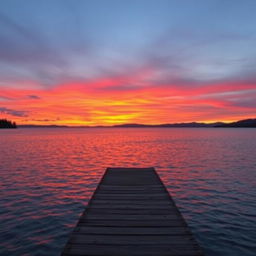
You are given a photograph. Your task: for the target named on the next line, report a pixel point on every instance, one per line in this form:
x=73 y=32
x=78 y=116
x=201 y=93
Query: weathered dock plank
x=131 y=214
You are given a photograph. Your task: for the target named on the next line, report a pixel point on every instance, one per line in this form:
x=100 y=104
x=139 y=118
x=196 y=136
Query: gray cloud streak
x=13 y=112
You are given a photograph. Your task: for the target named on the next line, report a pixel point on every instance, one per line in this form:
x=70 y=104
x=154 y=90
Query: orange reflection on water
x=48 y=176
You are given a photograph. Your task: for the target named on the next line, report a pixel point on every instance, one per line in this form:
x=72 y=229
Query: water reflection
x=48 y=175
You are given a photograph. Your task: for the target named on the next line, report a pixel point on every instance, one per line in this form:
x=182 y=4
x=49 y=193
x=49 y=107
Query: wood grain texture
x=131 y=214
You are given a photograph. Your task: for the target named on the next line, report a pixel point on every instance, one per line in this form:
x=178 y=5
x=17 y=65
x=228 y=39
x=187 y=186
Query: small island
x=4 y=123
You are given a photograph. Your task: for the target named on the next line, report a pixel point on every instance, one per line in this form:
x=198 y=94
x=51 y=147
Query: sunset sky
x=112 y=62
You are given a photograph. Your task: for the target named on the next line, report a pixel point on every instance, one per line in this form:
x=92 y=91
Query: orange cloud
x=110 y=101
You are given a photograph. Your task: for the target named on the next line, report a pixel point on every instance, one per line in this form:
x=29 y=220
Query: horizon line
x=135 y=124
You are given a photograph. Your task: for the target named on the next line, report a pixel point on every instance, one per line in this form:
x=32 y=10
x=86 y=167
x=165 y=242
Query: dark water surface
x=48 y=175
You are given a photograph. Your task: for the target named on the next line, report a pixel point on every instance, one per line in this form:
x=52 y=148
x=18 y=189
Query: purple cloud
x=34 y=97
x=13 y=112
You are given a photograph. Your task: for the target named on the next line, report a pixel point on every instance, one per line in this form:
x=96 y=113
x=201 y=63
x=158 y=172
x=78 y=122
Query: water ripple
x=48 y=176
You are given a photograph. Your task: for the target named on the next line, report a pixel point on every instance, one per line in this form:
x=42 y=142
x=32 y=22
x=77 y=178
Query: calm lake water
x=48 y=175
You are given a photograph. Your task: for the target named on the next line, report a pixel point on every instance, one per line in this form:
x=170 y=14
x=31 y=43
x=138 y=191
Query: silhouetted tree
x=4 y=123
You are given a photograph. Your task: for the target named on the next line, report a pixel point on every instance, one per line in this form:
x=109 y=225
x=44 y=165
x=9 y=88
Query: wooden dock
x=130 y=214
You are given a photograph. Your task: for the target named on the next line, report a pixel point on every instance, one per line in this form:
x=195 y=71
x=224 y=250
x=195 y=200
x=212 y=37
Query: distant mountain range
x=193 y=124
x=242 y=123
x=237 y=124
